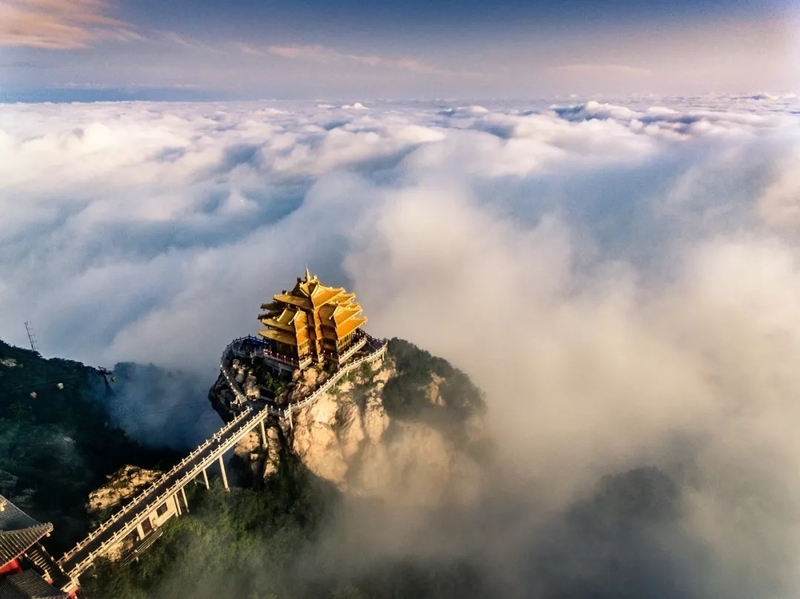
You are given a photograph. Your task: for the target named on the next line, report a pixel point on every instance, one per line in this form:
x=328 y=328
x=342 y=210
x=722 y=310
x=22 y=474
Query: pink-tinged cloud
x=602 y=69
x=248 y=49
x=322 y=54
x=59 y=24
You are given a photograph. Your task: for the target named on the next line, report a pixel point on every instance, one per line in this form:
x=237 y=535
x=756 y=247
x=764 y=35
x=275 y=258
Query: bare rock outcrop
x=221 y=398
x=124 y=484
x=375 y=419
x=250 y=387
x=273 y=457
x=348 y=438
x=315 y=441
x=247 y=451
x=349 y=428
x=432 y=392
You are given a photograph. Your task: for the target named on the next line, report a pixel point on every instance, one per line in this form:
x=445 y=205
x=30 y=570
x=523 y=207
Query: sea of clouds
x=620 y=277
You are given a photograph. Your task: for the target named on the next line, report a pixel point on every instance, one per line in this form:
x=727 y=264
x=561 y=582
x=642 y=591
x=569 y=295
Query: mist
x=161 y=407
x=619 y=277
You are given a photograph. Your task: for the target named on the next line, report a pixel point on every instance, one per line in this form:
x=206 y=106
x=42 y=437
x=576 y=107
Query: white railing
x=234 y=348
x=371 y=357
x=281 y=358
x=352 y=350
x=154 y=485
x=224 y=444
x=176 y=486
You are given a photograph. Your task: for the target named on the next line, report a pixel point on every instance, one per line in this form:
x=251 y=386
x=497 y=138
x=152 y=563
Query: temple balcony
x=280 y=357
x=305 y=362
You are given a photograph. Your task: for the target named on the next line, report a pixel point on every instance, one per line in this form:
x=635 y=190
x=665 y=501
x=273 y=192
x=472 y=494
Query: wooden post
x=263 y=435
x=205 y=478
x=224 y=476
x=185 y=502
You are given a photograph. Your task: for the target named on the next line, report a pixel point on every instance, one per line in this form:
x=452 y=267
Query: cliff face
x=408 y=428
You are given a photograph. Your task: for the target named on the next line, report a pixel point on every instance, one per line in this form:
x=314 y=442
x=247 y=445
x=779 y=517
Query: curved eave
x=14 y=543
x=350 y=325
x=325 y=295
x=279 y=336
x=302 y=302
x=342 y=315
x=271 y=322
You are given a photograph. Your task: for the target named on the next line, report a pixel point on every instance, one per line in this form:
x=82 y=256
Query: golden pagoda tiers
x=312 y=323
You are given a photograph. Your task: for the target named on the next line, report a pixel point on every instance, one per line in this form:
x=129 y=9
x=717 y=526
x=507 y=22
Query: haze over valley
x=600 y=231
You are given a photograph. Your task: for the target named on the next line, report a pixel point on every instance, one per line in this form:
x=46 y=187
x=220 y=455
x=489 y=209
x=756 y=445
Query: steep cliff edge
x=409 y=427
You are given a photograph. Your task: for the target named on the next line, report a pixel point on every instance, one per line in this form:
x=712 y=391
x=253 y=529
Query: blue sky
x=249 y=49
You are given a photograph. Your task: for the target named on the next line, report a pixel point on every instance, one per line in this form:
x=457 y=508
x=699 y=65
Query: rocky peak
x=399 y=428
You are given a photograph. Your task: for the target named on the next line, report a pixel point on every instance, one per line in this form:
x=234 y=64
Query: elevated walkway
x=123 y=523
x=166 y=489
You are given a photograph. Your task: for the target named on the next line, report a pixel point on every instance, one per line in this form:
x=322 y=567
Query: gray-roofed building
x=26 y=569
x=18 y=531
x=28 y=585
x=13 y=518
x=14 y=543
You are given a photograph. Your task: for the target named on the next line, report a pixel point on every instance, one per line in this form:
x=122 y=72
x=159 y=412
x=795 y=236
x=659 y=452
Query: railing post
x=224 y=476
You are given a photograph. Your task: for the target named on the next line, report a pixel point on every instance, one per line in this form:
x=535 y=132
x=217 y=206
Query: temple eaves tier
x=312 y=322
x=20 y=551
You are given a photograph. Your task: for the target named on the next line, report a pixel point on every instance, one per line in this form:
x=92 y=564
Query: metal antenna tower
x=31 y=336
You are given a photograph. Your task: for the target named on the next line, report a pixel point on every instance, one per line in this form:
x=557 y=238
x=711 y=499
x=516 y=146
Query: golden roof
x=280 y=336
x=289 y=315
x=343 y=313
x=295 y=300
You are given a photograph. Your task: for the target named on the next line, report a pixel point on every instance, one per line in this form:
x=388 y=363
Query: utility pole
x=31 y=336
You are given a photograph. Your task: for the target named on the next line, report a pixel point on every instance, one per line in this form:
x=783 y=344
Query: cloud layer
x=621 y=278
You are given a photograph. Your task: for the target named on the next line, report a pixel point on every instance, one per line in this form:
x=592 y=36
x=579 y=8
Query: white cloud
x=197 y=170
x=779 y=204
x=618 y=276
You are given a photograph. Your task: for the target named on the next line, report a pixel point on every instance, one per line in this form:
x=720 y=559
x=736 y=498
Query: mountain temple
x=312 y=323
x=26 y=569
